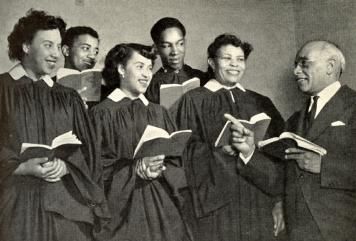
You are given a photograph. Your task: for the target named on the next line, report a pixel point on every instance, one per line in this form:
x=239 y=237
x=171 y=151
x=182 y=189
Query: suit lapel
x=332 y=111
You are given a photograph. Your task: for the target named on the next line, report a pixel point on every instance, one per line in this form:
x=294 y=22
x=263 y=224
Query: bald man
x=320 y=190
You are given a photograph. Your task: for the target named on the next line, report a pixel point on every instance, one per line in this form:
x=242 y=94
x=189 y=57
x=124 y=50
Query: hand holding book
x=277 y=146
x=157 y=141
x=149 y=168
x=61 y=147
x=242 y=139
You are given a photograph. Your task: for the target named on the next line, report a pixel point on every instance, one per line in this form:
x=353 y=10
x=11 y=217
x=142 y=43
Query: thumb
x=40 y=160
x=157 y=158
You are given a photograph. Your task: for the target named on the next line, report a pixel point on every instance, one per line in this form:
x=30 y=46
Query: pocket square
x=338 y=123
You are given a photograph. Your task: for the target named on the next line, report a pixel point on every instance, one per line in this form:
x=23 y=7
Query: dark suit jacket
x=331 y=195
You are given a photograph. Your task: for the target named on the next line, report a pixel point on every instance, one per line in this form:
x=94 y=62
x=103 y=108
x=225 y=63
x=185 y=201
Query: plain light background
x=276 y=29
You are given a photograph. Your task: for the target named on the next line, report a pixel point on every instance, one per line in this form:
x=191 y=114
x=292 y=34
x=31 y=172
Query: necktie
x=310 y=116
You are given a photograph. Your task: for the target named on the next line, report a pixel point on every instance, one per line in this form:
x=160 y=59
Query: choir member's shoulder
x=257 y=96
x=5 y=79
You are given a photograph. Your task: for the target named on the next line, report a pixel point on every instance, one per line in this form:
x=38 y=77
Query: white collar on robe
x=118 y=95
x=214 y=85
x=18 y=71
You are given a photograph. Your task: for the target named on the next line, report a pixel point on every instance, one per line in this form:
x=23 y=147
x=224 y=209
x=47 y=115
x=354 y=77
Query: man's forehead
x=309 y=52
x=85 y=39
x=171 y=34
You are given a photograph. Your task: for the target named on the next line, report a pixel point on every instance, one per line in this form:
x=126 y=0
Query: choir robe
x=231 y=200
x=33 y=209
x=170 y=76
x=141 y=209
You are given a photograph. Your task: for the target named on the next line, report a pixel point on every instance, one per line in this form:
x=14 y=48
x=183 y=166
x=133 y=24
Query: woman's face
x=136 y=75
x=228 y=65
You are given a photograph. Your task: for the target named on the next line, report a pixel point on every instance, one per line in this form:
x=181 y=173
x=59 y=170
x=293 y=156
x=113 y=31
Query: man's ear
x=211 y=63
x=332 y=65
x=65 y=50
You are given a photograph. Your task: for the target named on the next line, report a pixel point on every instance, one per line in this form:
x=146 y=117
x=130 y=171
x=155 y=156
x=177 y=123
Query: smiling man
x=168 y=35
x=80 y=47
x=320 y=190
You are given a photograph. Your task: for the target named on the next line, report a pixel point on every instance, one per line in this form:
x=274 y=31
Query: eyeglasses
x=229 y=59
x=304 y=63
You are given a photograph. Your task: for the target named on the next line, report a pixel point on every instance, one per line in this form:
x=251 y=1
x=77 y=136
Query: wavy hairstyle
x=120 y=54
x=223 y=40
x=26 y=28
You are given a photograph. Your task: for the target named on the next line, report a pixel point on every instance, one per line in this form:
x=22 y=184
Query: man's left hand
x=307 y=160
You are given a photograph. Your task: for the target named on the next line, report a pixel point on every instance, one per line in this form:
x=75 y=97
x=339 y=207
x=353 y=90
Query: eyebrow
x=166 y=42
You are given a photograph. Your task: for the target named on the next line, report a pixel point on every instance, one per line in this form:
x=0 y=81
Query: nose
x=147 y=74
x=234 y=62
x=55 y=52
x=297 y=69
x=174 y=49
x=92 y=55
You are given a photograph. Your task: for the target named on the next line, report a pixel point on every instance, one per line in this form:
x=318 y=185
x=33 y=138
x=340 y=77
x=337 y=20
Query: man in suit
x=320 y=200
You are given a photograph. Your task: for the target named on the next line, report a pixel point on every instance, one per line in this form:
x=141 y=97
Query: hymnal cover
x=87 y=82
x=156 y=141
x=258 y=124
x=276 y=146
x=171 y=93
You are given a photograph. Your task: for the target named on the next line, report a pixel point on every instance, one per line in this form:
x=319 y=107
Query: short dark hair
x=162 y=25
x=120 y=54
x=26 y=28
x=227 y=39
x=72 y=33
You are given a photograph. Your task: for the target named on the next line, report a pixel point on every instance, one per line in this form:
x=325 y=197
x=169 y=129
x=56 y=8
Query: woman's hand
x=42 y=168
x=58 y=171
x=149 y=168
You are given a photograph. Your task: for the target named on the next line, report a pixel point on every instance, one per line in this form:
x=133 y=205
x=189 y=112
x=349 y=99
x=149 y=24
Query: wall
x=268 y=25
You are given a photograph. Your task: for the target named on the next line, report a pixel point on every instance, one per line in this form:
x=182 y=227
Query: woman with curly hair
x=233 y=198
x=44 y=198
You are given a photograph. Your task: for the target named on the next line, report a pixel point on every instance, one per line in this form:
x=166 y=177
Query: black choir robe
x=169 y=76
x=141 y=210
x=31 y=208
x=230 y=199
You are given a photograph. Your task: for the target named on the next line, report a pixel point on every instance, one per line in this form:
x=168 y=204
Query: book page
x=66 y=138
x=150 y=133
x=191 y=84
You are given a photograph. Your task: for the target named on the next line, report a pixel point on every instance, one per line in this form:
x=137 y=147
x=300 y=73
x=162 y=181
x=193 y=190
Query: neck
x=178 y=68
x=68 y=65
x=29 y=70
x=129 y=94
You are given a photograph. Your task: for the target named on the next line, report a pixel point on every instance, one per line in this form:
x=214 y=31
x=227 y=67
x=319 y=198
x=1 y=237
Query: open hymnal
x=171 y=93
x=258 y=124
x=61 y=147
x=157 y=141
x=87 y=82
x=276 y=146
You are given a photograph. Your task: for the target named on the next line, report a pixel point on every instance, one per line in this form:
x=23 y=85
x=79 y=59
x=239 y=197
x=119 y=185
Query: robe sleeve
x=263 y=171
x=207 y=168
x=84 y=165
x=174 y=174
x=9 y=143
